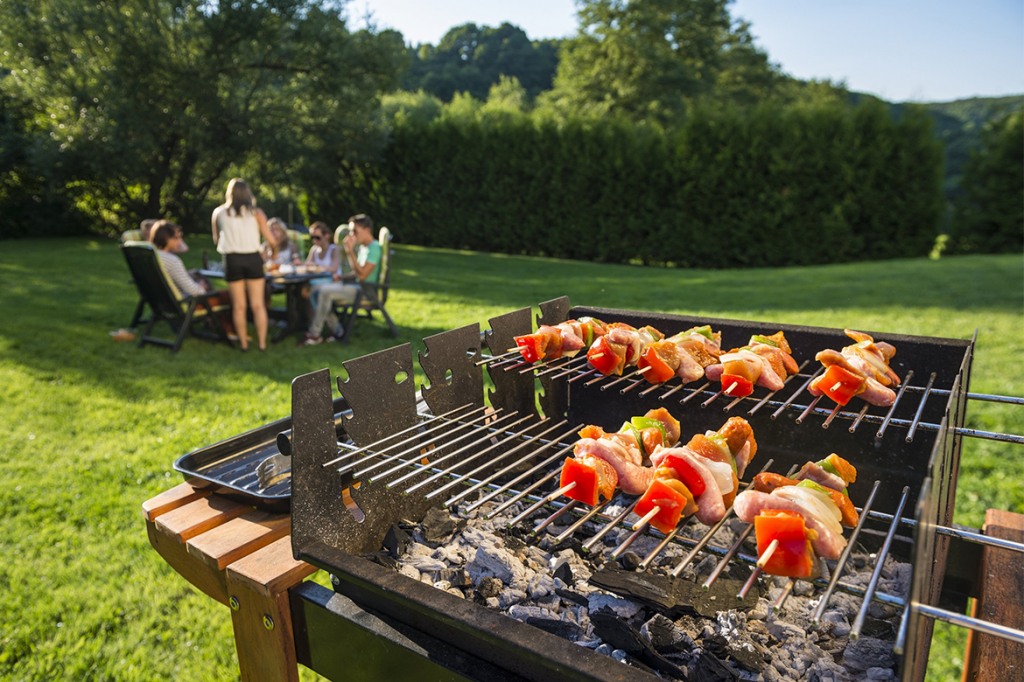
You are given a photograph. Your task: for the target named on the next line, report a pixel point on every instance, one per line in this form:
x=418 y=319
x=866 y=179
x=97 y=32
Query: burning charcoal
x=873 y=627
x=508 y=596
x=489 y=587
x=443 y=585
x=491 y=560
x=571 y=596
x=716 y=644
x=438 y=526
x=540 y=585
x=522 y=612
x=564 y=629
x=760 y=611
x=425 y=563
x=710 y=669
x=666 y=636
x=747 y=655
x=881 y=674
x=456 y=592
x=620 y=607
x=396 y=541
x=563 y=571
x=409 y=571
x=782 y=631
x=630 y=561
x=706 y=565
x=383 y=558
x=619 y=655
x=605 y=650
x=670 y=596
x=803 y=588
x=492 y=602
x=457 y=577
x=551 y=602
x=880 y=610
x=418 y=549
x=839 y=626
x=621 y=635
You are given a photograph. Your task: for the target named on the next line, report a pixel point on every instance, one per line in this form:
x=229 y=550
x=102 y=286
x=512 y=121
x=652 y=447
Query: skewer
x=786 y=591
x=835 y=388
x=901 y=635
x=733 y=404
x=789 y=401
x=633 y=385
x=416 y=448
x=920 y=408
x=436 y=462
x=600 y=378
x=555 y=368
x=541 y=502
x=414 y=427
x=768 y=553
x=653 y=387
x=876 y=574
x=595 y=356
x=888 y=416
x=765 y=399
x=647 y=517
x=581 y=376
x=832 y=416
x=518 y=364
x=491 y=462
x=551 y=519
x=624 y=378
x=504 y=488
x=720 y=566
x=728 y=391
x=621 y=549
x=670 y=392
x=841 y=564
x=586 y=517
x=495 y=357
x=520 y=495
x=663 y=544
x=589 y=544
x=569 y=370
x=712 y=399
x=860 y=417
x=690 y=397
x=742 y=594
x=810 y=408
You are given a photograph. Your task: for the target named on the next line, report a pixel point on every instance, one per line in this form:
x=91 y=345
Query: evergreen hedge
x=770 y=187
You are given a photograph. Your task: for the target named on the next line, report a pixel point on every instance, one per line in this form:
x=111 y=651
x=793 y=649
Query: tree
x=650 y=60
x=152 y=102
x=989 y=217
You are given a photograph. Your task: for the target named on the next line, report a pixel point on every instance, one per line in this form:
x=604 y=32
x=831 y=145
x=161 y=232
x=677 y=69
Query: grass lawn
x=89 y=428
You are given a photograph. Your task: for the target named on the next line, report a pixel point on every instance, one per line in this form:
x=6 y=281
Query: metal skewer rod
x=711 y=399
x=597 y=379
x=518 y=496
x=920 y=408
x=541 y=502
x=554 y=517
x=503 y=489
x=633 y=385
x=720 y=566
x=416 y=448
x=696 y=392
x=814 y=403
x=522 y=363
x=569 y=370
x=586 y=517
x=490 y=464
x=414 y=427
x=786 y=591
x=888 y=416
x=742 y=594
x=653 y=387
x=671 y=391
x=977 y=624
x=452 y=426
x=901 y=635
x=789 y=401
x=837 y=573
x=446 y=472
x=582 y=376
x=638 y=529
x=624 y=377
x=564 y=365
x=609 y=526
x=492 y=358
x=768 y=397
x=832 y=416
x=879 y=562
x=860 y=417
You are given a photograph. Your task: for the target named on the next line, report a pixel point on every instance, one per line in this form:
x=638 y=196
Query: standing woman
x=237 y=226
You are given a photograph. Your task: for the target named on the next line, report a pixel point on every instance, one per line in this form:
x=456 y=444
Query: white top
x=322 y=257
x=238 y=233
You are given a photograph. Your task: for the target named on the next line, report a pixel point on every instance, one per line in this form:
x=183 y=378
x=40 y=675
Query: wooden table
x=240 y=557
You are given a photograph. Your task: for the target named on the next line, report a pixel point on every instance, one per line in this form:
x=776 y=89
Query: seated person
x=362 y=252
x=281 y=251
x=146 y=228
x=166 y=236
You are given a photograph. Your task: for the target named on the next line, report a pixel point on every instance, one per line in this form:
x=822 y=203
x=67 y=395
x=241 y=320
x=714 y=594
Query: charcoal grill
x=345 y=496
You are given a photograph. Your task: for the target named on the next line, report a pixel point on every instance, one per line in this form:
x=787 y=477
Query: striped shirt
x=181 y=282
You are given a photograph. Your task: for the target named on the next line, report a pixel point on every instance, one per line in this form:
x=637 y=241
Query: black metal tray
x=231 y=463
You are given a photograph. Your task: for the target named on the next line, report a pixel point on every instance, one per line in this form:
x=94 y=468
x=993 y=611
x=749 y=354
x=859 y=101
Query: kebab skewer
x=685 y=355
x=621 y=347
x=765 y=361
x=859 y=370
x=565 y=340
x=797 y=521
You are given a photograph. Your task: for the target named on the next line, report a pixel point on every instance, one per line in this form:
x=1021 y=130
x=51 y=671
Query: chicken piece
x=813 y=472
x=828 y=544
x=740 y=438
x=634 y=479
x=710 y=504
x=767 y=482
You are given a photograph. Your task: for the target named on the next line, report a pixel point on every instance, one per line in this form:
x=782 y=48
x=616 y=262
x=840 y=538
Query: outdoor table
x=296 y=318
x=242 y=558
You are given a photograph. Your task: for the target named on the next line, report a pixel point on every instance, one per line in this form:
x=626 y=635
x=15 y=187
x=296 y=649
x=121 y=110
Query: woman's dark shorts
x=242 y=266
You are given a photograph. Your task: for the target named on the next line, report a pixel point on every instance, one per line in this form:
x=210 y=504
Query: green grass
x=89 y=428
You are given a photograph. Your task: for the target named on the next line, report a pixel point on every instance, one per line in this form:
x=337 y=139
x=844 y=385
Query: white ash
x=519 y=579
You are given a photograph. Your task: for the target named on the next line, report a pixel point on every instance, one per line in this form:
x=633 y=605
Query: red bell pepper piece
x=528 y=347
x=840 y=384
x=742 y=385
x=603 y=358
x=587 y=488
x=671 y=502
x=793 y=558
x=687 y=474
x=659 y=372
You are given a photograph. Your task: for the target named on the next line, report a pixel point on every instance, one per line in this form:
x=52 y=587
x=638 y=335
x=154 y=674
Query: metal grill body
x=907 y=458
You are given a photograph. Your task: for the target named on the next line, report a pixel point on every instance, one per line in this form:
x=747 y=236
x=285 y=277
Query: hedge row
x=771 y=187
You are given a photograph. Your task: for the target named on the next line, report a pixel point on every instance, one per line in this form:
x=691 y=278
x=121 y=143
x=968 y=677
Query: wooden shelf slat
x=176 y=497
x=199 y=516
x=238 y=537
x=270 y=570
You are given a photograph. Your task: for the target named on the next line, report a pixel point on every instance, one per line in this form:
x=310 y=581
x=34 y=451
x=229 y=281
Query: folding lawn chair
x=372 y=295
x=160 y=294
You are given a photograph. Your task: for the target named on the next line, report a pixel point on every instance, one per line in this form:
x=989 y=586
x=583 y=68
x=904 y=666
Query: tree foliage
x=989 y=216
x=149 y=103
x=651 y=60
x=471 y=58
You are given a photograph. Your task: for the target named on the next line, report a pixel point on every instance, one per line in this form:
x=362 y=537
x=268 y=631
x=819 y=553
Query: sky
x=900 y=50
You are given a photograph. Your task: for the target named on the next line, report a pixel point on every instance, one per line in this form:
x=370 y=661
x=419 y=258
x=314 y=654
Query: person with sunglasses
x=324 y=254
